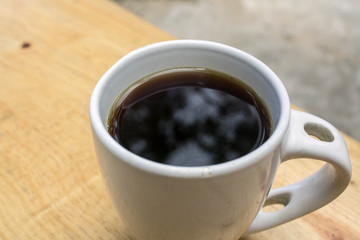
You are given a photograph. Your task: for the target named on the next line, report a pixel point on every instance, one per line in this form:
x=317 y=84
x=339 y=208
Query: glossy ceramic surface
x=157 y=201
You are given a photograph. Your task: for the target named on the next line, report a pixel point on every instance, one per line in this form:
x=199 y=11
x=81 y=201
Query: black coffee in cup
x=190 y=117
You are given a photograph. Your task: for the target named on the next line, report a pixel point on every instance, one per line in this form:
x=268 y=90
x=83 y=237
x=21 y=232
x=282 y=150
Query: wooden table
x=52 y=53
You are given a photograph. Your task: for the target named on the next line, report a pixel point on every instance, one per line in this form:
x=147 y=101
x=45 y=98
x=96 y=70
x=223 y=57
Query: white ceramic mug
x=162 y=202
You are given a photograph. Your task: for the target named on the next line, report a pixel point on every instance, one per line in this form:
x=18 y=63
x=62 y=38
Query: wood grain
x=52 y=53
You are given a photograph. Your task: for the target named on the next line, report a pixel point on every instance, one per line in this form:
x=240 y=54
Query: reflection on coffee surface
x=189 y=117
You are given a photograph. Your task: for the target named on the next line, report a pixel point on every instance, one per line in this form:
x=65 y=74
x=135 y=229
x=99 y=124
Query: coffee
x=189 y=117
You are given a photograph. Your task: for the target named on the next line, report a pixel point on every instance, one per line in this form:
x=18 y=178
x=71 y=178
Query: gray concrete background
x=312 y=45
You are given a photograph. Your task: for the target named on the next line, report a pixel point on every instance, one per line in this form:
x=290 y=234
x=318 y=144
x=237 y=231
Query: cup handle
x=320 y=188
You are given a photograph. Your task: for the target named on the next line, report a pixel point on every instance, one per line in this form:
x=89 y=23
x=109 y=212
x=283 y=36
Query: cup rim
x=122 y=154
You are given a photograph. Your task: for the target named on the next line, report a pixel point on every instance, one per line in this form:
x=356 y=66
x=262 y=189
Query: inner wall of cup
x=139 y=64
